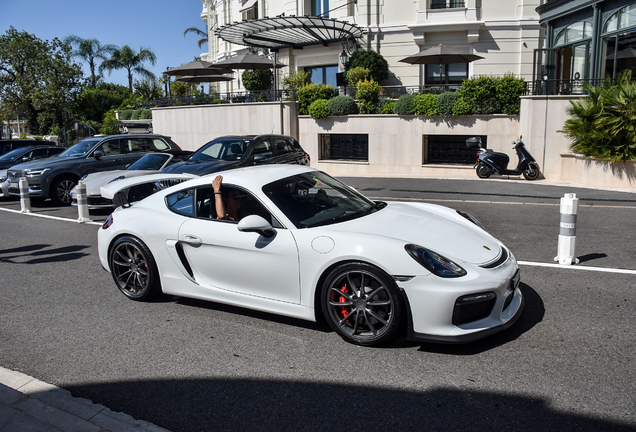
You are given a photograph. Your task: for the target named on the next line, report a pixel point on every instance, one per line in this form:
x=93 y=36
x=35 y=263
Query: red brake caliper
x=344 y=309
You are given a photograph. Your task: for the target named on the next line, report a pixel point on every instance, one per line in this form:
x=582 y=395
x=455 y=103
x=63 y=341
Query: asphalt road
x=187 y=365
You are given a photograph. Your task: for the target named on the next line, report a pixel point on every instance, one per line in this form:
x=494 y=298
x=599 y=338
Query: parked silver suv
x=55 y=177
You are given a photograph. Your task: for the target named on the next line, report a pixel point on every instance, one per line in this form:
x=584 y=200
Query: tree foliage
x=90 y=51
x=376 y=64
x=37 y=78
x=603 y=125
x=148 y=88
x=368 y=95
x=132 y=61
x=94 y=103
x=259 y=79
x=202 y=34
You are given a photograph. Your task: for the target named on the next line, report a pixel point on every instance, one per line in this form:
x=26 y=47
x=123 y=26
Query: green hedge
x=311 y=93
x=405 y=105
x=342 y=105
x=426 y=104
x=318 y=109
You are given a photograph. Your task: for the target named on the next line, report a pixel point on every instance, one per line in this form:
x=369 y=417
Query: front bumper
x=464 y=309
x=95 y=202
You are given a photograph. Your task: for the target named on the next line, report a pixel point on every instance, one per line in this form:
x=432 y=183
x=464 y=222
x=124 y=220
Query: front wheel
x=362 y=304
x=60 y=191
x=134 y=269
x=484 y=171
x=531 y=172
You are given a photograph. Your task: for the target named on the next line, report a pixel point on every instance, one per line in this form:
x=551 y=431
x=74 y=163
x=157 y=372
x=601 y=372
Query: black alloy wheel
x=60 y=191
x=134 y=269
x=362 y=304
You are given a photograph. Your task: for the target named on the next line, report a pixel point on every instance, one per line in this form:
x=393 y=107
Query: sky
x=154 y=24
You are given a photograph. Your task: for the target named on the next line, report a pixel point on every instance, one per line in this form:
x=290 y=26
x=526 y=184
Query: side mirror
x=98 y=154
x=257 y=224
x=258 y=158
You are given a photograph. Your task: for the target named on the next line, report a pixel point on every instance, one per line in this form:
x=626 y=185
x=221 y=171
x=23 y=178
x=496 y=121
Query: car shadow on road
x=38 y=254
x=248 y=404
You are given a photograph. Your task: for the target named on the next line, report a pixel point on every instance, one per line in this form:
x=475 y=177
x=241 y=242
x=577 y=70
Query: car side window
x=182 y=202
x=250 y=205
x=263 y=148
x=158 y=144
x=40 y=153
x=110 y=148
x=282 y=146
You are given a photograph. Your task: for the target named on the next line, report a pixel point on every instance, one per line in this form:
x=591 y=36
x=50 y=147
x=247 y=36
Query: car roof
x=254 y=177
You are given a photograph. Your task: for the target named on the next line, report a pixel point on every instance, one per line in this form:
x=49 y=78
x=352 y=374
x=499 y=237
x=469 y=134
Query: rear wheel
x=60 y=191
x=532 y=171
x=134 y=269
x=484 y=171
x=362 y=304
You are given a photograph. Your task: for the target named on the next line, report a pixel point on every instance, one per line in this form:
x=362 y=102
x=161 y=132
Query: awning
x=289 y=32
x=247 y=5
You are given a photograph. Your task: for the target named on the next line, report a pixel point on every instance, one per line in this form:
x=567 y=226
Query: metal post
x=567 y=232
x=82 y=202
x=25 y=200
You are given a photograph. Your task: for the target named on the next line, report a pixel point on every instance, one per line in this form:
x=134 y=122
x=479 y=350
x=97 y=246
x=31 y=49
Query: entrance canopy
x=288 y=32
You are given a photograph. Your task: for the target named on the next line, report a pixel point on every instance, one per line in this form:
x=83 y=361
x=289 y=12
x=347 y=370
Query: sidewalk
x=30 y=405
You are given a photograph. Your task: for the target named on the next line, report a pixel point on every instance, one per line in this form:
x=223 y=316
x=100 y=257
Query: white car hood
x=433 y=227
x=110 y=190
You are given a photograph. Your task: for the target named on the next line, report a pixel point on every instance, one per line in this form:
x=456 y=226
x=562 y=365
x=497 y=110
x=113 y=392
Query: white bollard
x=25 y=200
x=567 y=232
x=82 y=202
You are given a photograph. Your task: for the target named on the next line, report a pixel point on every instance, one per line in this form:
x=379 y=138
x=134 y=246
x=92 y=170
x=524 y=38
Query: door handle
x=192 y=240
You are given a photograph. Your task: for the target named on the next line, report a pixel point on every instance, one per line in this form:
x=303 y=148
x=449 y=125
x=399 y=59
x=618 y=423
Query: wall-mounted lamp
x=343 y=57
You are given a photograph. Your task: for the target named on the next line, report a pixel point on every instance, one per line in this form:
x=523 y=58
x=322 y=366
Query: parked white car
x=151 y=163
x=306 y=245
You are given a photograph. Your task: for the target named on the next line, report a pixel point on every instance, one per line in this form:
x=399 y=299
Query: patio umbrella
x=198 y=68
x=203 y=79
x=441 y=54
x=248 y=61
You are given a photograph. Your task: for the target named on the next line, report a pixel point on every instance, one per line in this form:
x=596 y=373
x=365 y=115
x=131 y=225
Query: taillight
x=108 y=222
x=308 y=157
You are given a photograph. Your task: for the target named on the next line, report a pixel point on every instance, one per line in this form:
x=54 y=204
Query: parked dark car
x=55 y=177
x=7 y=145
x=236 y=151
x=27 y=154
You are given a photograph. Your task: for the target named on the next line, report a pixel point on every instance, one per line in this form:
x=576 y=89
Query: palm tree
x=90 y=50
x=127 y=58
x=198 y=32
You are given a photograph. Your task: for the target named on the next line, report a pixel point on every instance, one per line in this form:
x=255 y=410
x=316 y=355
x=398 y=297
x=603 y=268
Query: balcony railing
x=560 y=87
x=447 y=4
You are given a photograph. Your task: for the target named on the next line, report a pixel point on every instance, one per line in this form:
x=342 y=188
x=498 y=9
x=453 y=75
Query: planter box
x=591 y=172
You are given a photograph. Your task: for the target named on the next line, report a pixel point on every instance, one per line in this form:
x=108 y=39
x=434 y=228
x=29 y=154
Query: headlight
x=117 y=178
x=471 y=218
x=35 y=171
x=434 y=262
x=3 y=179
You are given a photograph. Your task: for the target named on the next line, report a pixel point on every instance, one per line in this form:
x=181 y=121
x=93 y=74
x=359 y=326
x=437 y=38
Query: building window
x=573 y=33
x=449 y=149
x=354 y=147
x=453 y=73
x=624 y=18
x=320 y=8
x=619 y=49
x=323 y=74
x=446 y=4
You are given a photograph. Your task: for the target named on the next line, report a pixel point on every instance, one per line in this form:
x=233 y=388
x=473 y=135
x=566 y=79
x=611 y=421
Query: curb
x=27 y=403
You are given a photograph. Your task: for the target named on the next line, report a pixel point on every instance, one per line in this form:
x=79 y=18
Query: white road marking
x=50 y=217
x=576 y=267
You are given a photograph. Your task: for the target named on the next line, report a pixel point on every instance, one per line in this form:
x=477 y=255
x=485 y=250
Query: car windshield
x=153 y=161
x=315 y=199
x=14 y=154
x=80 y=149
x=229 y=149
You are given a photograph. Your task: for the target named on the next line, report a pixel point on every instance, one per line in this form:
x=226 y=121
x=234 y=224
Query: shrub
x=126 y=114
x=462 y=108
x=357 y=74
x=376 y=64
x=318 y=109
x=108 y=125
x=368 y=95
x=342 y=105
x=179 y=89
x=602 y=125
x=426 y=104
x=136 y=115
x=310 y=93
x=259 y=79
x=446 y=101
x=509 y=90
x=385 y=106
x=296 y=80
x=405 y=105
x=146 y=113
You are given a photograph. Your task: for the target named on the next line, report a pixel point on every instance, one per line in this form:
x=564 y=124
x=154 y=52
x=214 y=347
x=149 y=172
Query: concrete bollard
x=82 y=202
x=567 y=232
x=25 y=199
